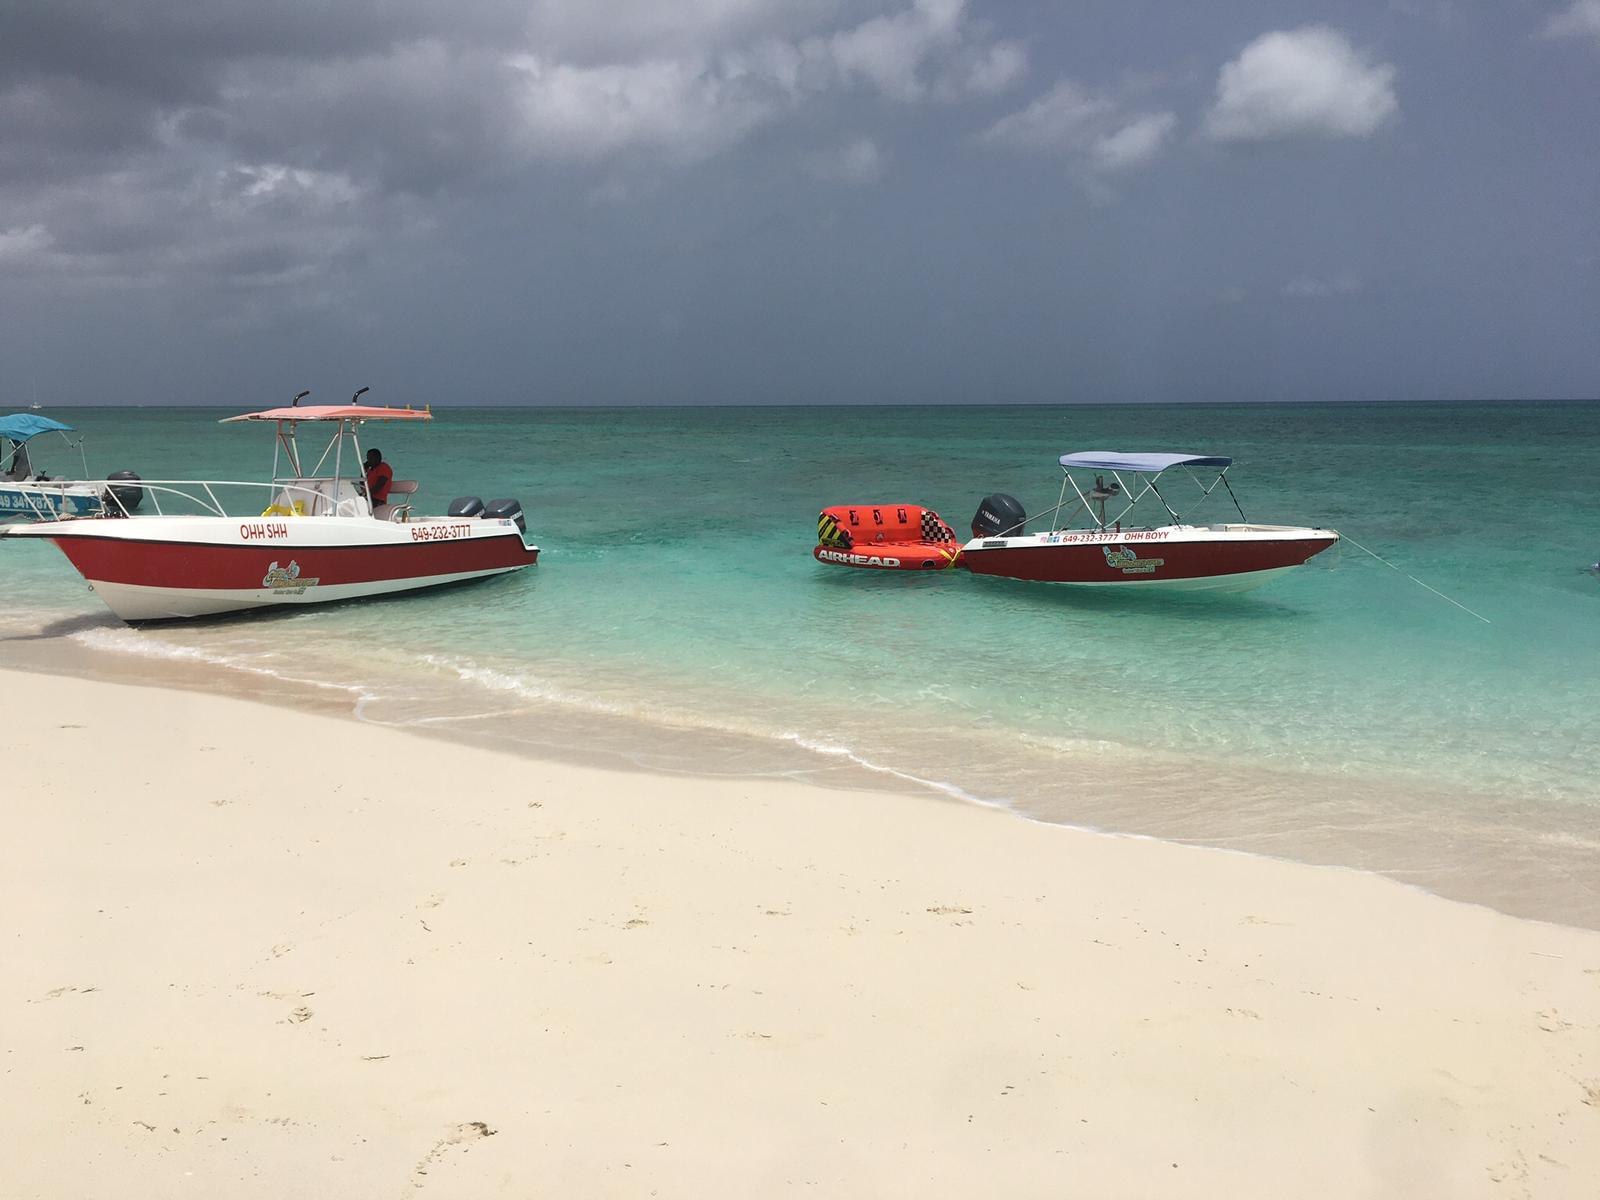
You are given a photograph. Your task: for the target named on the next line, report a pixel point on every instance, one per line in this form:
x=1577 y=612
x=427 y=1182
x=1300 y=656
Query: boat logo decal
x=1120 y=558
x=287 y=579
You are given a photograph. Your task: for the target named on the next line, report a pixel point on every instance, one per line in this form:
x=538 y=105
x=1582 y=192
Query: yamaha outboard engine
x=465 y=506
x=502 y=510
x=123 y=499
x=998 y=515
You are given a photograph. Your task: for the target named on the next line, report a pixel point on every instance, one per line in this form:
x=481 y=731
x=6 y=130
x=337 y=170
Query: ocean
x=677 y=622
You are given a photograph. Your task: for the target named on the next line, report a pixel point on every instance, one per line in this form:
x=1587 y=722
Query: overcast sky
x=790 y=201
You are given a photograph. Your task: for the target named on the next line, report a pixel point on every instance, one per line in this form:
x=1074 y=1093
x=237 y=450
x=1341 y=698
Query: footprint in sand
x=470 y=1131
x=57 y=993
x=1552 y=1021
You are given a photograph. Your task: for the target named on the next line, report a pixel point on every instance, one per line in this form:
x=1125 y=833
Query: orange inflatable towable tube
x=886 y=537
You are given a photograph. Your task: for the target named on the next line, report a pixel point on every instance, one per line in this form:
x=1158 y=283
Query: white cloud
x=691 y=106
x=23 y=242
x=858 y=161
x=689 y=109
x=929 y=49
x=1299 y=83
x=1581 y=20
x=1135 y=144
x=590 y=31
x=987 y=71
x=1090 y=130
x=1308 y=288
x=1063 y=119
x=888 y=52
x=242 y=188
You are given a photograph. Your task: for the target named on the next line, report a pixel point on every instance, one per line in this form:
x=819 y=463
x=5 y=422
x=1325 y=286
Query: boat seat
x=393 y=511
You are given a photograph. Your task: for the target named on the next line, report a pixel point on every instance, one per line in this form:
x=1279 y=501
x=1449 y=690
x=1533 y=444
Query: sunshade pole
x=355 y=444
x=1231 y=496
x=1176 y=519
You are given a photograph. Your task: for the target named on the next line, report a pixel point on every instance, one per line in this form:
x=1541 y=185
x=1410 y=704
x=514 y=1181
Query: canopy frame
x=16 y=464
x=346 y=418
x=1093 y=501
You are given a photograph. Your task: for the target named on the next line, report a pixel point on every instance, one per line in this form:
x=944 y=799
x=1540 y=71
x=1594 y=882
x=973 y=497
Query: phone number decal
x=439 y=533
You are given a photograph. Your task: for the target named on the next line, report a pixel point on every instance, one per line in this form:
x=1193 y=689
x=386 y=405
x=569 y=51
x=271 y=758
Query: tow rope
x=1415 y=580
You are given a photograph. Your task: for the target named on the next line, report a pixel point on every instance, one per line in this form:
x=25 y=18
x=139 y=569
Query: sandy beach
x=254 y=952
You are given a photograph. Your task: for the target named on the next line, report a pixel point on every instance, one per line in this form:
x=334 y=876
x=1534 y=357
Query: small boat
x=26 y=493
x=1234 y=556
x=886 y=537
x=310 y=535
x=1109 y=550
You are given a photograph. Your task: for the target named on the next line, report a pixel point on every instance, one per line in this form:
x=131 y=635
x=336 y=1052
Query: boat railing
x=200 y=497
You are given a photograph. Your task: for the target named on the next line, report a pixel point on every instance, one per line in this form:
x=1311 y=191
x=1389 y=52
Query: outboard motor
x=502 y=510
x=998 y=515
x=465 y=506
x=123 y=499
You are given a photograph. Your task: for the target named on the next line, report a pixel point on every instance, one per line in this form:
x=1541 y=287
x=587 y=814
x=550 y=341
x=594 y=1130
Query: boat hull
x=160 y=569
x=1216 y=558
x=137 y=603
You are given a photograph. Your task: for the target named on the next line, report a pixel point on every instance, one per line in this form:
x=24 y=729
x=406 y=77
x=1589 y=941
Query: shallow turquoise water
x=1342 y=713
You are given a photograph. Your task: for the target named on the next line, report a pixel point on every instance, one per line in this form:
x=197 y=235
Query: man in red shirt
x=379 y=476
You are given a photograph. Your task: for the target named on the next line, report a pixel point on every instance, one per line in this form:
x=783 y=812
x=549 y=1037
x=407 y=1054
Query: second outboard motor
x=121 y=498
x=465 y=506
x=501 y=510
x=998 y=515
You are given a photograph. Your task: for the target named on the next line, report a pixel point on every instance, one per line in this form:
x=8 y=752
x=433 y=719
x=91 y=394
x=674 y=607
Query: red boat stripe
x=227 y=567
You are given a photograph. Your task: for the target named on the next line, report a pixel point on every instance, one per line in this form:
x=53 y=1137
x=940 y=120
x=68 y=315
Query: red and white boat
x=1108 y=552
x=316 y=538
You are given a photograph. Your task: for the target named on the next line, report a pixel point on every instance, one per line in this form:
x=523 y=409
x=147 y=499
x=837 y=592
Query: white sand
x=256 y=953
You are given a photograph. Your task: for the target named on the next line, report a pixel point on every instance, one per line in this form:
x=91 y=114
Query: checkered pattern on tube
x=935 y=530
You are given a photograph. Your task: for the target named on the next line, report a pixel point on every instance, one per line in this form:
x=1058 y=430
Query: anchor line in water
x=1346 y=537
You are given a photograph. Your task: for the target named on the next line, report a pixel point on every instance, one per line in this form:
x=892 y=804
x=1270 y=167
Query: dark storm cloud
x=80 y=78
x=335 y=115
x=170 y=49
x=166 y=140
